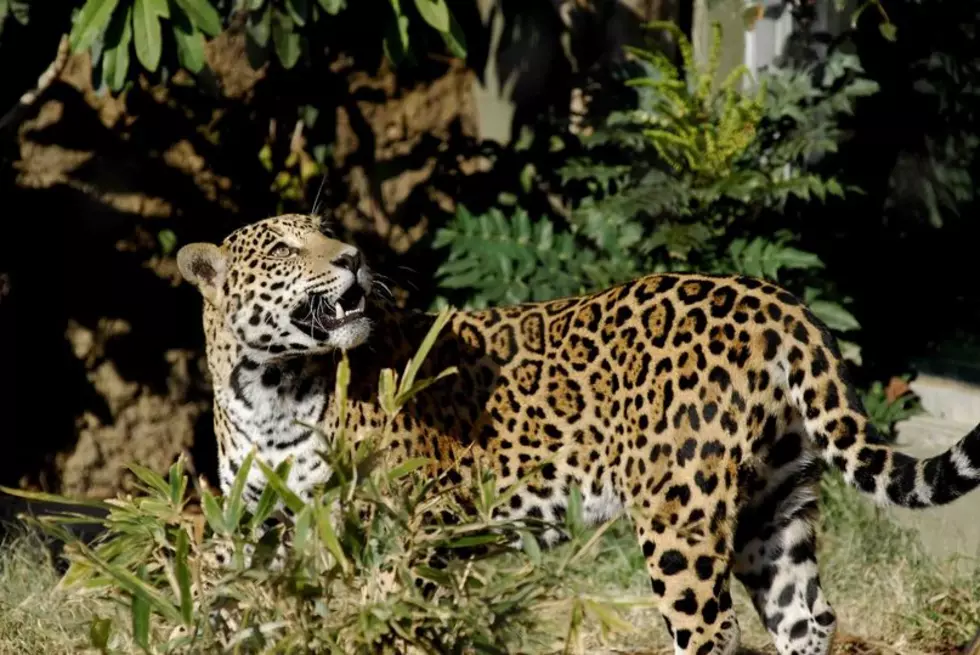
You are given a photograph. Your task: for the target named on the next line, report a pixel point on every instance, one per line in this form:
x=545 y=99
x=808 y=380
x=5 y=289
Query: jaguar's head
x=282 y=287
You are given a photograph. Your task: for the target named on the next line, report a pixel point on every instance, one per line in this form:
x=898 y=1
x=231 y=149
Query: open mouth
x=318 y=315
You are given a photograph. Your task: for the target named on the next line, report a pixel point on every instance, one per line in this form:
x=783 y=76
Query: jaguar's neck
x=273 y=408
x=282 y=408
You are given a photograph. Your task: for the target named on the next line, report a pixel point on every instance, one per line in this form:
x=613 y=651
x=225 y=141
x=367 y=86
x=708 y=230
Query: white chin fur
x=351 y=335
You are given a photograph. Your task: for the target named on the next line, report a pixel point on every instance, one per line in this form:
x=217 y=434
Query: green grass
x=883 y=585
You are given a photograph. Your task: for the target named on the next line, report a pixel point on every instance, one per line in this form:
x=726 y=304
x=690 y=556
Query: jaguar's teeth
x=361 y=303
x=338 y=310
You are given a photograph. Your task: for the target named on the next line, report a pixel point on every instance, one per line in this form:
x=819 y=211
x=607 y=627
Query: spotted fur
x=707 y=405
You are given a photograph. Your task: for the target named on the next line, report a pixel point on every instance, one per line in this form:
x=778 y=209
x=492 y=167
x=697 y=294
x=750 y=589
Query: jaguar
x=709 y=406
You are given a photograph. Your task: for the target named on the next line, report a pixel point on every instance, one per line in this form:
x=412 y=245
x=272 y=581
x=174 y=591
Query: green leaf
x=333 y=7
x=406 y=467
x=45 y=497
x=574 y=516
x=437 y=576
x=178 y=481
x=435 y=13
x=342 y=380
x=798 y=259
x=415 y=363
x=527 y=177
x=212 y=512
x=301 y=529
x=834 y=315
x=234 y=504
x=115 y=59
x=454 y=38
x=160 y=8
x=267 y=501
x=329 y=537
x=285 y=39
x=151 y=478
x=190 y=44
x=530 y=546
x=298 y=10
x=607 y=616
x=21 y=10
x=140 y=613
x=149 y=38
x=90 y=23
x=130 y=583
x=203 y=15
x=292 y=501
x=403 y=397
x=387 y=391
x=475 y=540
x=396 y=39
x=762 y=258
x=862 y=87
x=99 y=631
x=183 y=574
x=889 y=31
x=850 y=351
x=190 y=50
x=260 y=27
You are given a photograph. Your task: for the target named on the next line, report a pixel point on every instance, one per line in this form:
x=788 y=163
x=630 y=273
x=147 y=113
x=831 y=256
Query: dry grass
x=886 y=590
x=34 y=618
x=890 y=596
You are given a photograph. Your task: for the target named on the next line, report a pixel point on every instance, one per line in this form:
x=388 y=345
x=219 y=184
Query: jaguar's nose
x=351 y=261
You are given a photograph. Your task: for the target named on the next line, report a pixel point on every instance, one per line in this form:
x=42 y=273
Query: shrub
x=888 y=406
x=347 y=581
x=170 y=34
x=700 y=175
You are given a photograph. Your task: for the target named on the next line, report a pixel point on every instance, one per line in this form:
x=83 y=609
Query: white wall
x=766 y=42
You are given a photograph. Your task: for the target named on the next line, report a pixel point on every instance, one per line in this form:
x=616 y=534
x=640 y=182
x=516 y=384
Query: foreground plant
x=352 y=562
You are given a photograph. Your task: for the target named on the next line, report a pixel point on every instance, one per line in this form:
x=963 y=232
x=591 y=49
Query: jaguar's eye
x=281 y=250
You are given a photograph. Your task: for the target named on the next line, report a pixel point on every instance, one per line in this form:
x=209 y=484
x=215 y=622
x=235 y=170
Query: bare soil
x=121 y=343
x=106 y=326
x=844 y=644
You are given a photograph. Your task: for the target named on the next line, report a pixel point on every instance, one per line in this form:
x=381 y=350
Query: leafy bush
x=347 y=582
x=19 y=10
x=112 y=30
x=699 y=176
x=888 y=406
x=495 y=259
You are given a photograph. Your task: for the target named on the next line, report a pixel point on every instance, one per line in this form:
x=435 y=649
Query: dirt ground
x=122 y=338
x=844 y=645
x=108 y=328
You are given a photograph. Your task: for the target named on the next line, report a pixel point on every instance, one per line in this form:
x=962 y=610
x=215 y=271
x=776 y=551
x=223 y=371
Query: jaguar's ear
x=204 y=266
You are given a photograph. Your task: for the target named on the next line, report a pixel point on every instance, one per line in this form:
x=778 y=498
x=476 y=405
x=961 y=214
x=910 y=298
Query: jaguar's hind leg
x=785 y=588
x=775 y=550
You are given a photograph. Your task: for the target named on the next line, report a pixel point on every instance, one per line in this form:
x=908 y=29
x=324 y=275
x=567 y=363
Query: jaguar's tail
x=836 y=421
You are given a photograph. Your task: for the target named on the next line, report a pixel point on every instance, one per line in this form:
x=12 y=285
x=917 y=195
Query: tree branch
x=50 y=74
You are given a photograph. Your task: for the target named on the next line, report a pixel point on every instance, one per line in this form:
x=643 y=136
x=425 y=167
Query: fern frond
x=691 y=169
